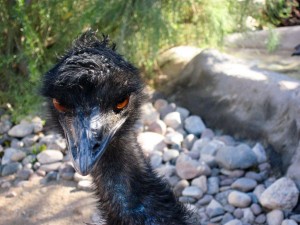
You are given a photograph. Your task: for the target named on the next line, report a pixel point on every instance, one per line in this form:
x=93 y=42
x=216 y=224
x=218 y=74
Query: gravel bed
x=223 y=180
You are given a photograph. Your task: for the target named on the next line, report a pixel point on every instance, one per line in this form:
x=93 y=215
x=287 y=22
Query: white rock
x=49 y=156
x=184 y=113
x=288 y=222
x=170 y=154
x=174 y=138
x=200 y=182
x=282 y=194
x=186 y=167
x=158 y=126
x=239 y=199
x=194 y=125
x=234 y=222
x=18 y=156
x=149 y=114
x=260 y=153
x=150 y=141
x=156 y=160
x=21 y=130
x=50 y=167
x=192 y=191
x=160 y=103
x=275 y=217
x=173 y=120
x=8 y=153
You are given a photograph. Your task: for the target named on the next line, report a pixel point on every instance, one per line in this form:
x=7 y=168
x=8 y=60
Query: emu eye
x=122 y=104
x=58 y=106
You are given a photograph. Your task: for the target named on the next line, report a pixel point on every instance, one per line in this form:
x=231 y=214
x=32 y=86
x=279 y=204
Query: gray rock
x=158 y=126
x=255 y=176
x=5 y=124
x=240 y=157
x=259 y=190
x=199 y=144
x=204 y=200
x=21 y=130
x=288 y=222
x=156 y=160
x=186 y=167
x=261 y=219
x=200 y=182
x=213 y=185
x=15 y=143
x=244 y=184
x=248 y=216
x=256 y=209
x=260 y=153
x=11 y=168
x=174 y=138
x=11 y=194
x=150 y=141
x=232 y=173
x=49 y=156
x=194 y=125
x=149 y=114
x=50 y=167
x=51 y=176
x=192 y=191
x=208 y=134
x=214 y=208
x=188 y=141
x=160 y=103
x=17 y=156
x=295 y=217
x=282 y=194
x=166 y=110
x=226 y=218
x=238 y=213
x=239 y=199
x=170 y=154
x=37 y=124
x=6 y=184
x=184 y=113
x=275 y=217
x=30 y=140
x=187 y=199
x=8 y=153
x=182 y=184
x=54 y=141
x=29 y=159
x=234 y=222
x=24 y=173
x=166 y=170
x=173 y=120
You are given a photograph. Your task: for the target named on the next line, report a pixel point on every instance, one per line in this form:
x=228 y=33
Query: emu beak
x=87 y=140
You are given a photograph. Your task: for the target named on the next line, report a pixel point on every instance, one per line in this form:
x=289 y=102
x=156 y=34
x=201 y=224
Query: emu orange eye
x=58 y=106
x=123 y=104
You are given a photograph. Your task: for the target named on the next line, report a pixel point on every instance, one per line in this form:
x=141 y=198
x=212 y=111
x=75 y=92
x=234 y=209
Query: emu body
x=94 y=98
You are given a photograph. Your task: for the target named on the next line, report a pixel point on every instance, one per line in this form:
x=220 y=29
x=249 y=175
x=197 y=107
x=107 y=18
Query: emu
x=94 y=99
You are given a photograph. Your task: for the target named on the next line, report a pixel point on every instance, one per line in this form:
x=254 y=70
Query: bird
x=94 y=99
x=297 y=51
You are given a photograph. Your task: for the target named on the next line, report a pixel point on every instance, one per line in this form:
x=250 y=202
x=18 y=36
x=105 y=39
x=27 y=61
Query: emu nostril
x=96 y=146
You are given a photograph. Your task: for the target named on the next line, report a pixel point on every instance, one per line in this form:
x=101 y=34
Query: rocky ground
x=225 y=181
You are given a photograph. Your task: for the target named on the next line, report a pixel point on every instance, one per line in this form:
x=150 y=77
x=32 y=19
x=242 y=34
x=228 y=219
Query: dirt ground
x=57 y=203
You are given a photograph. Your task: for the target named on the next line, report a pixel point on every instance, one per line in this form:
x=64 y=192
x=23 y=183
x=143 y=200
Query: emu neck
x=130 y=193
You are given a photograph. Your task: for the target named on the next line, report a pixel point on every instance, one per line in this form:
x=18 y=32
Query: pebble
x=239 y=157
x=174 y=138
x=50 y=167
x=173 y=120
x=30 y=140
x=200 y=182
x=275 y=217
x=192 y=191
x=186 y=167
x=282 y=194
x=156 y=160
x=184 y=113
x=214 y=209
x=24 y=173
x=21 y=130
x=256 y=209
x=238 y=213
x=180 y=186
x=150 y=141
x=248 y=216
x=288 y=222
x=11 y=194
x=160 y=104
x=158 y=126
x=244 y=184
x=49 y=156
x=204 y=201
x=194 y=125
x=260 y=153
x=170 y=154
x=53 y=141
x=234 y=222
x=85 y=185
x=261 y=219
x=213 y=185
x=188 y=141
x=5 y=124
x=295 y=217
x=8 y=153
x=149 y=114
x=239 y=199
x=11 y=168
x=18 y=156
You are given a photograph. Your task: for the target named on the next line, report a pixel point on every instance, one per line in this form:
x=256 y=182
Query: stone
x=180 y=186
x=11 y=168
x=158 y=126
x=192 y=191
x=155 y=160
x=21 y=130
x=226 y=218
x=160 y=103
x=200 y=182
x=259 y=190
x=24 y=174
x=29 y=159
x=261 y=219
x=17 y=156
x=288 y=222
x=15 y=143
x=186 y=167
x=50 y=167
x=214 y=209
x=173 y=120
x=11 y=194
x=239 y=199
x=37 y=124
x=150 y=141
x=54 y=141
x=208 y=152
x=233 y=173
x=260 y=153
x=282 y=194
x=166 y=110
x=49 y=156
x=248 y=216
x=85 y=185
x=187 y=199
x=238 y=213
x=78 y=177
x=295 y=217
x=199 y=144
x=30 y=140
x=6 y=184
x=5 y=124
x=51 y=176
x=174 y=138
x=184 y=113
x=275 y=217
x=149 y=114
x=204 y=200
x=194 y=125
x=170 y=154
x=256 y=209
x=244 y=184
x=166 y=170
x=234 y=222
x=188 y=141
x=240 y=157
x=213 y=185
x=8 y=153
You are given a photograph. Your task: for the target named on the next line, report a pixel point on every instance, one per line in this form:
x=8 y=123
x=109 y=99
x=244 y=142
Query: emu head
x=94 y=96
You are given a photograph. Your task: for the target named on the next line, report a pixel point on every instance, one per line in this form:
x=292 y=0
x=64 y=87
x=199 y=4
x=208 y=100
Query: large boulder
x=231 y=95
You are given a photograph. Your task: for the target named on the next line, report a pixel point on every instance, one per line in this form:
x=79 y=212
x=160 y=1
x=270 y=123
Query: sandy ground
x=57 y=203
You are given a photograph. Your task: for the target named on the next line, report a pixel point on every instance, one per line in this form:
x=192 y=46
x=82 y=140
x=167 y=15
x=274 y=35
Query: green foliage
x=34 y=33
x=38 y=149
